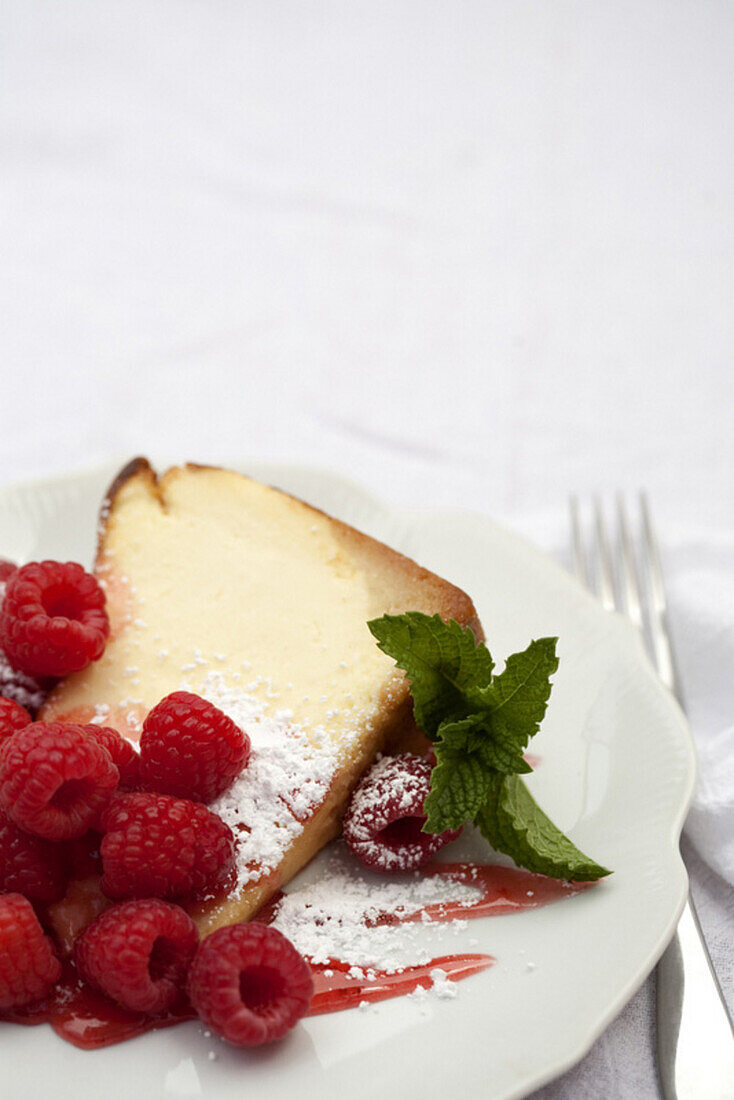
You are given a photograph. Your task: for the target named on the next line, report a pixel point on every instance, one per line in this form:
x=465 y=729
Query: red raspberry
x=249 y=984
x=53 y=619
x=13 y=717
x=138 y=953
x=15 y=685
x=125 y=758
x=29 y=865
x=158 y=846
x=28 y=966
x=55 y=780
x=384 y=819
x=7 y=568
x=190 y=749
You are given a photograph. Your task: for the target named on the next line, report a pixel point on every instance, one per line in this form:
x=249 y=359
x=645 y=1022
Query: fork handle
x=694 y=1032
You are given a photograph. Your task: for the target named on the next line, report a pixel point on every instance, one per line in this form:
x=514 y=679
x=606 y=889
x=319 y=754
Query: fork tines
x=625 y=573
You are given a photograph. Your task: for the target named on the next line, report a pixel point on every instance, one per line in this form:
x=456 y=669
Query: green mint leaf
x=513 y=823
x=448 y=671
x=466 y=755
x=458 y=788
x=519 y=695
x=461 y=735
x=476 y=734
x=459 y=781
x=501 y=753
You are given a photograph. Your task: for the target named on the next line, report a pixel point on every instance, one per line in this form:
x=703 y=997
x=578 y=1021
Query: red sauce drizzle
x=90 y=1021
x=335 y=990
x=504 y=890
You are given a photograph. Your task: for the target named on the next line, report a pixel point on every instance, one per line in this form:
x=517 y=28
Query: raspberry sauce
x=504 y=890
x=89 y=1020
x=334 y=989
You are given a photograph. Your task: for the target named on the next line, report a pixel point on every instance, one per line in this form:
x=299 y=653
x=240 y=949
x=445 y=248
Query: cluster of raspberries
x=81 y=798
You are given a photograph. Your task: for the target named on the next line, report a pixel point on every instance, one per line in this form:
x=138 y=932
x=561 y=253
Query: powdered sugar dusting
x=288 y=775
x=23 y=689
x=337 y=917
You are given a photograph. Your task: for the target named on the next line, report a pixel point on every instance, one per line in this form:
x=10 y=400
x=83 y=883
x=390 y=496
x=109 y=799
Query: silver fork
x=695 y=1035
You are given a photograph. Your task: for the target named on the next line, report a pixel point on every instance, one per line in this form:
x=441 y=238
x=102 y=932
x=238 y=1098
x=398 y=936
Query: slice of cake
x=222 y=586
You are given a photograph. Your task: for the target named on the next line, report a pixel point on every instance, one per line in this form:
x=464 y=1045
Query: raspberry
x=249 y=984
x=53 y=620
x=384 y=819
x=13 y=717
x=7 y=568
x=190 y=749
x=15 y=685
x=138 y=953
x=28 y=966
x=123 y=755
x=29 y=865
x=55 y=780
x=158 y=846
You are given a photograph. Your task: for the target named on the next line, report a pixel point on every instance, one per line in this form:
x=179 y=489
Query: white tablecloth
x=474 y=253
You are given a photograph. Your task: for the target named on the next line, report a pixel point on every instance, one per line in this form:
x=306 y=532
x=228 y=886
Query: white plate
x=617 y=773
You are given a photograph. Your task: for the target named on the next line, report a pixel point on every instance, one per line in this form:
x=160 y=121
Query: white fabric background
x=473 y=253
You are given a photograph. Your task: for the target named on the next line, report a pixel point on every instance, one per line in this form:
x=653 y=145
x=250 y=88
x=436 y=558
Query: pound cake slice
x=222 y=586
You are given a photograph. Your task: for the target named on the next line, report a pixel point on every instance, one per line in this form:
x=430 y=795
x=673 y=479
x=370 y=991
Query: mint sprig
x=480 y=724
